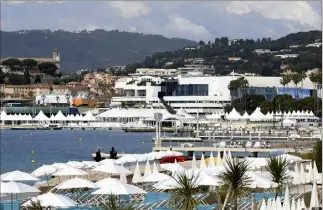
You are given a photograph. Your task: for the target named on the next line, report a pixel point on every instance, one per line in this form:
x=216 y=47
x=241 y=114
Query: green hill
x=94 y=49
x=217 y=53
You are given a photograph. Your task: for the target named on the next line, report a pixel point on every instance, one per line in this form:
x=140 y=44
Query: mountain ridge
x=87 y=49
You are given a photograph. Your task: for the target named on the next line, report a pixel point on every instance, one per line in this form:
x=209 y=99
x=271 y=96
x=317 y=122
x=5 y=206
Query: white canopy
x=16 y=188
x=75 y=164
x=213 y=116
x=172 y=167
x=314 y=197
x=137 y=174
x=53 y=200
x=76 y=183
x=60 y=165
x=245 y=116
x=17 y=176
x=257 y=115
x=41 y=116
x=44 y=170
x=59 y=116
x=233 y=115
x=70 y=171
x=112 y=169
x=107 y=162
x=259 y=181
x=89 y=116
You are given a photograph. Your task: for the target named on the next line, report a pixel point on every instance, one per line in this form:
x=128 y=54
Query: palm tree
x=35 y=205
x=284 y=81
x=296 y=79
x=277 y=167
x=113 y=203
x=182 y=197
x=235 y=178
x=67 y=96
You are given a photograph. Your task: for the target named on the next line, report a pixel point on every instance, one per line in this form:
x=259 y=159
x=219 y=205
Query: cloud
x=183 y=27
x=130 y=9
x=294 y=11
x=20 y=2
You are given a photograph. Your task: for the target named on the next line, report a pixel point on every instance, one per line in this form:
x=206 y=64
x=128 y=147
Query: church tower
x=56 y=55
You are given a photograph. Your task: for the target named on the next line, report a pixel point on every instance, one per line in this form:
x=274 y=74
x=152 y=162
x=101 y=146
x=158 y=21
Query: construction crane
x=168 y=107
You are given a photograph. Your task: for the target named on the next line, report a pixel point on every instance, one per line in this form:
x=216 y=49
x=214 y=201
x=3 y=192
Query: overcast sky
x=186 y=19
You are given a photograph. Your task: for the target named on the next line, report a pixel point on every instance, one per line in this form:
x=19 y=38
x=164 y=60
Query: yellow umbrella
x=207 y=160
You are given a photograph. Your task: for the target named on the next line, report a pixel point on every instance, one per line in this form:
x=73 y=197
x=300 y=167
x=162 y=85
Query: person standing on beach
x=113 y=153
x=98 y=156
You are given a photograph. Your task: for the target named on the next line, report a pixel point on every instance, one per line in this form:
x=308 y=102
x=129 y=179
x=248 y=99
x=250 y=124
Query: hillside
x=239 y=55
x=94 y=49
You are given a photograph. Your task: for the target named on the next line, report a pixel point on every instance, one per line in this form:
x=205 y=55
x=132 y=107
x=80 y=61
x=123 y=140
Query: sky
x=194 y=20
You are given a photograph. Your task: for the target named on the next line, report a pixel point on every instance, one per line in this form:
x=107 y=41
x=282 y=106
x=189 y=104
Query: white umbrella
x=303 y=204
x=107 y=162
x=302 y=175
x=286 y=204
x=75 y=164
x=155 y=169
x=76 y=183
x=112 y=169
x=16 y=188
x=314 y=197
x=123 y=178
x=44 y=170
x=52 y=200
x=137 y=174
x=299 y=204
x=278 y=203
x=263 y=205
x=154 y=177
x=147 y=169
x=211 y=161
x=204 y=179
x=214 y=171
x=172 y=167
x=229 y=155
x=293 y=205
x=17 y=176
x=202 y=163
x=194 y=162
x=218 y=160
x=257 y=180
x=70 y=171
x=114 y=186
x=315 y=172
x=90 y=164
x=60 y=165
x=127 y=159
x=291 y=158
x=167 y=184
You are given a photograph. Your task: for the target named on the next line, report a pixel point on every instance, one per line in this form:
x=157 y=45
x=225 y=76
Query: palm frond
x=113 y=203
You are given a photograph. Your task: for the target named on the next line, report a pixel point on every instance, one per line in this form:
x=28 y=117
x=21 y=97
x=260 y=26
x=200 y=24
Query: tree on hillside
x=201 y=43
x=27 y=76
x=48 y=68
x=29 y=64
x=13 y=63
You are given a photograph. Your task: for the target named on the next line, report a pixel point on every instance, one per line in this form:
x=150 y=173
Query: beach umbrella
x=310 y=174
x=202 y=163
x=167 y=184
x=314 y=197
x=303 y=204
x=291 y=158
x=214 y=171
x=293 y=205
x=90 y=164
x=16 y=188
x=112 y=169
x=315 y=172
x=75 y=164
x=116 y=187
x=76 y=183
x=204 y=179
x=17 y=176
x=154 y=177
x=224 y=155
x=229 y=155
x=257 y=180
x=137 y=174
x=127 y=159
x=278 y=203
x=218 y=159
x=172 y=167
x=52 y=200
x=147 y=169
x=299 y=204
x=60 y=165
x=107 y=162
x=302 y=175
x=44 y=170
x=70 y=171
x=263 y=205
x=194 y=162
x=155 y=169
x=211 y=162
x=286 y=204
x=123 y=178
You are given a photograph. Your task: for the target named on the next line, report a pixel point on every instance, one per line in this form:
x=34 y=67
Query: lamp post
x=274 y=107
x=158 y=117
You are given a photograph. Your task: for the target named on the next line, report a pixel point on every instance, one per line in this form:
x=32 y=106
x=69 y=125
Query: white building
x=287 y=56
x=203 y=95
x=318 y=44
x=261 y=51
x=55 y=98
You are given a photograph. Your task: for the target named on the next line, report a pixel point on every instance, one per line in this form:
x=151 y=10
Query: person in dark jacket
x=98 y=157
x=113 y=153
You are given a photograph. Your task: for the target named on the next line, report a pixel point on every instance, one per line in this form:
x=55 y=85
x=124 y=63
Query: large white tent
x=41 y=117
x=233 y=115
x=257 y=115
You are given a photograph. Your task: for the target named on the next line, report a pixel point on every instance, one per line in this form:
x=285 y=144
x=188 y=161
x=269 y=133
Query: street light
x=158 y=117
